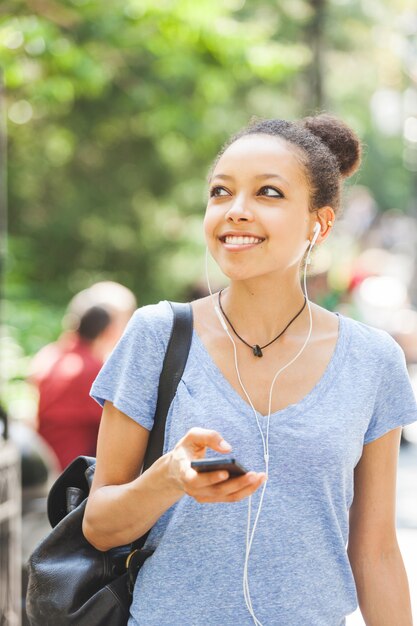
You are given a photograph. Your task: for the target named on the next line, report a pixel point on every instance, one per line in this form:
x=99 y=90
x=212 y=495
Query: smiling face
x=257 y=220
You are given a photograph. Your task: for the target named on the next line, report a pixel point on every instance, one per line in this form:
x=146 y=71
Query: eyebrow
x=258 y=177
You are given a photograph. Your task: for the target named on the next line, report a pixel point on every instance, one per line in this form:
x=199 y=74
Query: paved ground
x=406 y=523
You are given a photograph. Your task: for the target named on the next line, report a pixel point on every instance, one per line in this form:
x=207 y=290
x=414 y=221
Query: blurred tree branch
x=51 y=10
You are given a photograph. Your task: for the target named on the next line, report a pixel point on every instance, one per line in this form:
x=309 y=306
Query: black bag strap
x=173 y=367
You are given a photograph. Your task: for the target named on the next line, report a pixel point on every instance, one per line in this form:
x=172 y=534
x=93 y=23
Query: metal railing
x=10 y=535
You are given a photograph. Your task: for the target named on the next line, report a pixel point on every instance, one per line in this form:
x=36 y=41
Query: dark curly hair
x=327 y=148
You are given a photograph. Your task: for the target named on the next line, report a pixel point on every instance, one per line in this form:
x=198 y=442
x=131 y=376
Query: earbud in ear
x=316 y=233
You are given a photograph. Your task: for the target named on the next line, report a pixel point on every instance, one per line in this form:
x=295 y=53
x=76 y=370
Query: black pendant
x=257 y=350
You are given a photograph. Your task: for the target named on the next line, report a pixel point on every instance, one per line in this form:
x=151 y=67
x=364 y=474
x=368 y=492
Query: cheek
x=209 y=224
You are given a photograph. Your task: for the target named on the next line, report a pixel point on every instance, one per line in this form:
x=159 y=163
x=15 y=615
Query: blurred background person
x=63 y=371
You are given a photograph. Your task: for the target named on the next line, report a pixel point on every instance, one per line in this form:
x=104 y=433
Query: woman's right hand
x=209 y=486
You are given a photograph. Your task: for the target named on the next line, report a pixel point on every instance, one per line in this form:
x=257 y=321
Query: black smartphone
x=214 y=465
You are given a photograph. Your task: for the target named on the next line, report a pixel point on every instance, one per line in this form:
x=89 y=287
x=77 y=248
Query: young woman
x=314 y=412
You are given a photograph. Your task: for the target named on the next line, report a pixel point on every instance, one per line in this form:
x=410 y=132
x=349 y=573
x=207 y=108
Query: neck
x=98 y=349
x=259 y=311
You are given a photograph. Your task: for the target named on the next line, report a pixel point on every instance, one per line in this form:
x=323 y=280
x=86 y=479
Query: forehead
x=251 y=155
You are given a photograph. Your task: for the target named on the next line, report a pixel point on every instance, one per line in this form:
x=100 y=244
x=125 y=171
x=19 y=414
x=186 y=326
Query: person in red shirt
x=63 y=372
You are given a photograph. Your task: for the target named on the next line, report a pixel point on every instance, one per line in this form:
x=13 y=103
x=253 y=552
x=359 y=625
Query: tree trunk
x=315 y=40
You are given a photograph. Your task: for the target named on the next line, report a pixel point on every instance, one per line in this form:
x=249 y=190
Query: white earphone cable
x=265 y=438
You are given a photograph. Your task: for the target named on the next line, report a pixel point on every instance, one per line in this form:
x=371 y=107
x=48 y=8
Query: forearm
x=119 y=514
x=382 y=587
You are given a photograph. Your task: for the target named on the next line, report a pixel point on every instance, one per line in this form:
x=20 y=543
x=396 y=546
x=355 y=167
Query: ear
x=325 y=216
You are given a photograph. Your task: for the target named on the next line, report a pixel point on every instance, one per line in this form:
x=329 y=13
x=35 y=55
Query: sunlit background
x=114 y=112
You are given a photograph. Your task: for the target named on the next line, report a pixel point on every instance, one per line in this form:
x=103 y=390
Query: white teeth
x=241 y=241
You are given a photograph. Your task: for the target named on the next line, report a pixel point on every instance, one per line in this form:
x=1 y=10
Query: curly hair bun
x=342 y=142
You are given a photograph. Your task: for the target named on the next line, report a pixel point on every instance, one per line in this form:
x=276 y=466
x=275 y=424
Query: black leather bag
x=70 y=582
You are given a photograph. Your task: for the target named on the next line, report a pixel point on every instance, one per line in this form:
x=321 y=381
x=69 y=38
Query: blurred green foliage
x=116 y=110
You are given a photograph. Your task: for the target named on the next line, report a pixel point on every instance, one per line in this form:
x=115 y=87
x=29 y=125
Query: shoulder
x=151 y=319
x=43 y=361
x=146 y=334
x=153 y=314
x=377 y=343
x=129 y=377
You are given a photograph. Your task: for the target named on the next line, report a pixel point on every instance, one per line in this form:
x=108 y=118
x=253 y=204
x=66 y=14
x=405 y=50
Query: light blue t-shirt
x=299 y=572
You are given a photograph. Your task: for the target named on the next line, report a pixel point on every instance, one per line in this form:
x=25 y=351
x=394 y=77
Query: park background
x=112 y=112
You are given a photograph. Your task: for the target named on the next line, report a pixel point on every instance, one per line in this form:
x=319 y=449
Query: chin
x=234 y=272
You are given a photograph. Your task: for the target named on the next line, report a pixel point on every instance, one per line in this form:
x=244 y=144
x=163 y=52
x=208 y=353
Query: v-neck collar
x=332 y=368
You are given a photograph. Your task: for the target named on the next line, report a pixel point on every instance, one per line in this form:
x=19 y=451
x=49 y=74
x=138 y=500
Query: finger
x=201 y=438
x=196 y=481
x=242 y=482
x=231 y=490
x=245 y=492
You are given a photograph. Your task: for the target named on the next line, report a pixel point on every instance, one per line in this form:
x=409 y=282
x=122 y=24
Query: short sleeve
x=395 y=403
x=130 y=376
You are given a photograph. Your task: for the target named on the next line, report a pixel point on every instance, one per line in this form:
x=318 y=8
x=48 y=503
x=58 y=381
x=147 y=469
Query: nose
x=239 y=211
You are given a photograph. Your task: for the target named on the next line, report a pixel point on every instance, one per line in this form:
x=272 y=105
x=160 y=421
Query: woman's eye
x=271 y=192
x=217 y=192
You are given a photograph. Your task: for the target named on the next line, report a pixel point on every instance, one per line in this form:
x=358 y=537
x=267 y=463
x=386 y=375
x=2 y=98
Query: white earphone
x=316 y=233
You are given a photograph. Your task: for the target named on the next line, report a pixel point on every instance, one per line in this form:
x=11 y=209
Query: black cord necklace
x=256 y=349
